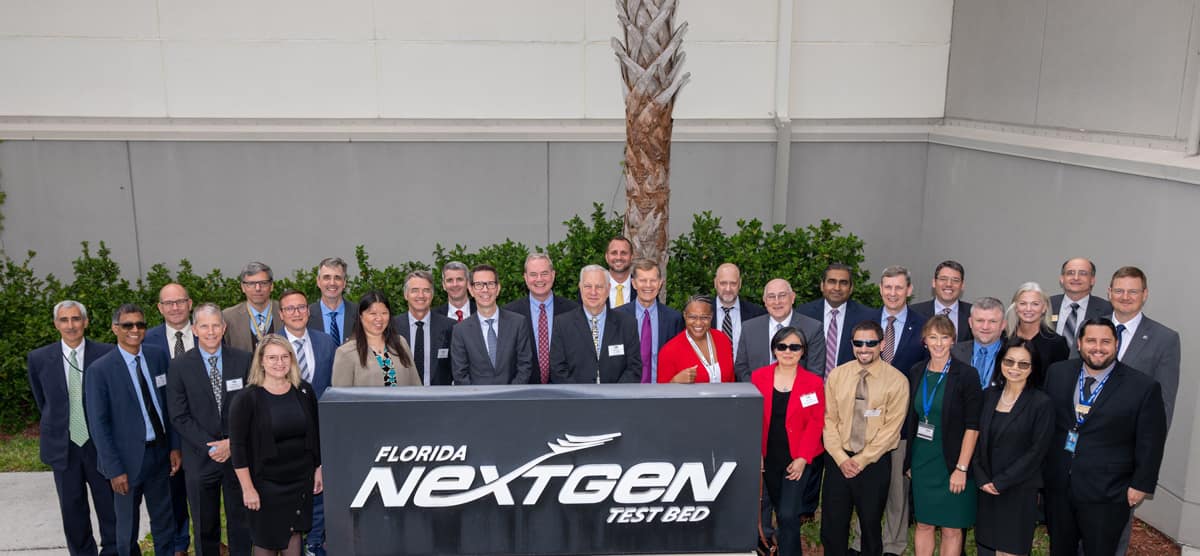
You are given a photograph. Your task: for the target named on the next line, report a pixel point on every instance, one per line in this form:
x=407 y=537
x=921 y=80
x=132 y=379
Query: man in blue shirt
x=656 y=323
x=987 y=328
x=333 y=314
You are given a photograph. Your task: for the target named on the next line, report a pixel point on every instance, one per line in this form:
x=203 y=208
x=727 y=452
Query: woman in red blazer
x=698 y=354
x=793 y=416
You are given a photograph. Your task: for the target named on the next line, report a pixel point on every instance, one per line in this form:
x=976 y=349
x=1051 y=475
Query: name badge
x=808 y=400
x=1072 y=439
x=160 y=381
x=925 y=431
x=615 y=350
x=233 y=384
x=872 y=413
x=1082 y=409
x=443 y=353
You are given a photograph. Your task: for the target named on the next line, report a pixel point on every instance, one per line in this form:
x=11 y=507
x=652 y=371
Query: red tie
x=543 y=343
x=458 y=312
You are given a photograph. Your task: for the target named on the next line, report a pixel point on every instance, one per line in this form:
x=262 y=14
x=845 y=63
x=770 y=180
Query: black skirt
x=1006 y=522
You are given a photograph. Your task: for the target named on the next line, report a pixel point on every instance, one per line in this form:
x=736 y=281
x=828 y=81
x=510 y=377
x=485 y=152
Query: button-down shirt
x=189 y=338
x=841 y=328
x=641 y=314
x=204 y=355
x=412 y=340
x=735 y=319
x=309 y=356
x=145 y=370
x=483 y=325
x=887 y=393
x=898 y=326
x=774 y=326
x=1099 y=378
x=255 y=313
x=599 y=324
x=1064 y=311
x=534 y=310
x=1129 y=334
x=67 y=357
x=627 y=290
x=466 y=310
x=338 y=316
x=952 y=315
x=988 y=368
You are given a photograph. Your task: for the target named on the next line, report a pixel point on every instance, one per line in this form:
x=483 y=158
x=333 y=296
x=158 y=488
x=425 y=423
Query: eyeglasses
x=485 y=285
x=777 y=296
x=1079 y=273
x=173 y=303
x=865 y=343
x=542 y=274
x=283 y=357
x=696 y=317
x=949 y=280
x=789 y=347
x=256 y=284
x=1010 y=362
x=294 y=309
x=140 y=325
x=1122 y=292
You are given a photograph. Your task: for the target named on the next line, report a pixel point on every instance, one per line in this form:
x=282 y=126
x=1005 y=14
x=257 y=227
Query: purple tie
x=647 y=345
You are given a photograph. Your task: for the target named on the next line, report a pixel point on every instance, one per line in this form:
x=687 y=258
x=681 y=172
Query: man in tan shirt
x=866 y=401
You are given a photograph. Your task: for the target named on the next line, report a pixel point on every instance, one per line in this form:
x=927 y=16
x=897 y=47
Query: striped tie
x=831 y=342
x=78 y=422
x=305 y=372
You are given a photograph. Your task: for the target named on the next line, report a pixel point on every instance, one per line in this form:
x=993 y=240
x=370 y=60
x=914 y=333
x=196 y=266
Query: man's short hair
x=537 y=256
x=619 y=238
x=67 y=304
x=952 y=265
x=254 y=268
x=987 y=304
x=333 y=262
x=422 y=274
x=1063 y=268
x=837 y=266
x=896 y=270
x=868 y=324
x=208 y=308
x=126 y=309
x=482 y=268
x=646 y=265
x=1129 y=272
x=292 y=291
x=591 y=268
x=454 y=265
x=1099 y=321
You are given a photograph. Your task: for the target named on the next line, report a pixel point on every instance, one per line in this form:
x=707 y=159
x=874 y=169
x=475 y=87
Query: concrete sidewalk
x=32 y=522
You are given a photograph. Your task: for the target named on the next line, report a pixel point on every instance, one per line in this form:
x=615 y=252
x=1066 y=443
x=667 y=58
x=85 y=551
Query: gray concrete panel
x=995 y=56
x=1113 y=65
x=64 y=192
x=581 y=174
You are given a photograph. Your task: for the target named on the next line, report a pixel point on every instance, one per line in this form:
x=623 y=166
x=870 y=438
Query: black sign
x=579 y=469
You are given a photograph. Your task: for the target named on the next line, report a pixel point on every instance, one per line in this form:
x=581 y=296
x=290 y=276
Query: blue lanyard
x=1079 y=417
x=926 y=399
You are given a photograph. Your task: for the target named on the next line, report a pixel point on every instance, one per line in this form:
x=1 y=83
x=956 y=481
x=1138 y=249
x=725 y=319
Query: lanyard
x=266 y=327
x=1081 y=417
x=712 y=359
x=926 y=399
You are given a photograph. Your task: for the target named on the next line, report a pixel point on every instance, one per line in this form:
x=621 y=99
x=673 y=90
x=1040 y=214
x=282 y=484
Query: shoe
x=805 y=518
x=223 y=549
x=853 y=552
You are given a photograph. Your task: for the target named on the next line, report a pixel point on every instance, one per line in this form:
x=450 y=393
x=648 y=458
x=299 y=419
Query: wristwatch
x=962 y=468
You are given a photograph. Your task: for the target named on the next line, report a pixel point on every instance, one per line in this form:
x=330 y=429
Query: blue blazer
x=114 y=412
x=323 y=346
x=855 y=313
x=670 y=323
x=910 y=346
x=49 y=384
x=157 y=337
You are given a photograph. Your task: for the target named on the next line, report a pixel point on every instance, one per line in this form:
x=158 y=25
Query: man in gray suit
x=1077 y=278
x=493 y=345
x=754 y=346
x=987 y=326
x=333 y=314
x=258 y=315
x=1144 y=343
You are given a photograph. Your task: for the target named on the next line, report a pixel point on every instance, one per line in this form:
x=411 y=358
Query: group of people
x=978 y=407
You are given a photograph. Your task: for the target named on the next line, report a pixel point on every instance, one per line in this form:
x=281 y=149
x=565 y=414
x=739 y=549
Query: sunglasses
x=1023 y=365
x=865 y=343
x=789 y=347
x=141 y=324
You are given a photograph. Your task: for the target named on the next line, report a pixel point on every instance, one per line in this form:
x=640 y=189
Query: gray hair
x=422 y=274
x=254 y=268
x=591 y=268
x=987 y=304
x=208 y=309
x=454 y=265
x=538 y=256
x=67 y=304
x=333 y=262
x=896 y=270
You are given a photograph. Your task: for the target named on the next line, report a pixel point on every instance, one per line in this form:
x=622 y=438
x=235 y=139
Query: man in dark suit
x=987 y=329
x=459 y=305
x=493 y=346
x=948 y=280
x=175 y=337
x=540 y=309
x=730 y=310
x=136 y=448
x=428 y=333
x=837 y=312
x=258 y=315
x=619 y=257
x=755 y=349
x=201 y=386
x=56 y=378
x=1077 y=278
x=333 y=314
x=595 y=344
x=656 y=323
x=1110 y=428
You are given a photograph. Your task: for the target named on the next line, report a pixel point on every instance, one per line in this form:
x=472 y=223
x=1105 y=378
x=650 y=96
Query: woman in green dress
x=946 y=402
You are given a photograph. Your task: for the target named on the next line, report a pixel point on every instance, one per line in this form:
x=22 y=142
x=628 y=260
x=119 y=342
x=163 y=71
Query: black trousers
x=865 y=494
x=1096 y=527
x=204 y=494
x=72 y=484
x=812 y=484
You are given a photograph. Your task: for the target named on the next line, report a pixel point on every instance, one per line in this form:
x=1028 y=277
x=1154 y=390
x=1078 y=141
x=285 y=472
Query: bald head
x=778 y=297
x=728 y=283
x=175 y=305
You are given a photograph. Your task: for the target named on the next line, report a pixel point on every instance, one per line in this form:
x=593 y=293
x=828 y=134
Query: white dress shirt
x=1129 y=334
x=309 y=357
x=412 y=340
x=1064 y=311
x=735 y=318
x=627 y=290
x=189 y=338
x=67 y=358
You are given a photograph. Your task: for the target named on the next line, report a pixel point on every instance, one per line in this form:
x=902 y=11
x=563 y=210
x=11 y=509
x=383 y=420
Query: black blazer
x=573 y=356
x=1051 y=348
x=440 y=327
x=963 y=326
x=910 y=346
x=965 y=352
x=193 y=408
x=749 y=310
x=1017 y=458
x=521 y=307
x=48 y=381
x=251 y=438
x=960 y=408
x=316 y=319
x=1120 y=444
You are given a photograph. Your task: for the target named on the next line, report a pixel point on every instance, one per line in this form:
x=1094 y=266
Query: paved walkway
x=32 y=522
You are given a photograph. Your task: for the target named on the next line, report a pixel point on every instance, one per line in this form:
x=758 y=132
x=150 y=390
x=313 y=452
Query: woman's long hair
x=390 y=338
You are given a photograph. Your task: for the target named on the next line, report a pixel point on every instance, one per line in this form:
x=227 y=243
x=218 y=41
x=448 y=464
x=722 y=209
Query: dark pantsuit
x=1094 y=527
x=787 y=500
x=72 y=485
x=156 y=486
x=867 y=494
x=179 y=509
x=204 y=492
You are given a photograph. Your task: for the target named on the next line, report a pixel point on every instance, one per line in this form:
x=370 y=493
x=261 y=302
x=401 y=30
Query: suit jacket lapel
x=1111 y=386
x=1141 y=337
x=1014 y=413
x=584 y=326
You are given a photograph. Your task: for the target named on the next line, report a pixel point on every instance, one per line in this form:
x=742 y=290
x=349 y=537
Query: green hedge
x=26 y=301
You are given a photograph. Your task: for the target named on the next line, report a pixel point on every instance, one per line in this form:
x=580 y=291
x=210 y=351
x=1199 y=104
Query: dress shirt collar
x=938 y=308
x=534 y=305
x=78 y=351
x=641 y=311
x=787 y=321
x=187 y=331
x=291 y=338
x=205 y=355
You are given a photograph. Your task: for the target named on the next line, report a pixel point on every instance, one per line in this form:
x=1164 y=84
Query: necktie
x=214 y=380
x=647 y=348
x=419 y=351
x=889 y=340
x=858 y=424
x=458 y=313
x=945 y=311
x=261 y=320
x=148 y=400
x=302 y=360
x=774 y=331
x=491 y=342
x=333 y=327
x=620 y=295
x=178 y=344
x=596 y=334
x=979 y=362
x=1070 y=327
x=1088 y=383
x=831 y=342
x=543 y=343
x=727 y=323
x=78 y=421
x=1120 y=336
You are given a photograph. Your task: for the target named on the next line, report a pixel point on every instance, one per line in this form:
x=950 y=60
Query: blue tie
x=1120 y=334
x=333 y=327
x=979 y=361
x=491 y=342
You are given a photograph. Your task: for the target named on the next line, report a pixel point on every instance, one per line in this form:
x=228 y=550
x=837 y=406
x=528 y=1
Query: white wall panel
x=722 y=20
x=908 y=21
x=728 y=80
x=266 y=19
x=81 y=77
x=270 y=79
x=603 y=98
x=602 y=21
x=72 y=18
x=481 y=20
x=457 y=80
x=868 y=81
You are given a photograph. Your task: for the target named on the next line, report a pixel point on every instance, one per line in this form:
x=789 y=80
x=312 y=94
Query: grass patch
x=19 y=452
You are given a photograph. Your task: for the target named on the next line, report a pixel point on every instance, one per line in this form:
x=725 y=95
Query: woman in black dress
x=1029 y=318
x=275 y=445
x=1016 y=429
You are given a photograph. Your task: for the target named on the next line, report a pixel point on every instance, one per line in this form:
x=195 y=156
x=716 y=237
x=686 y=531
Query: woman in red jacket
x=793 y=416
x=698 y=354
